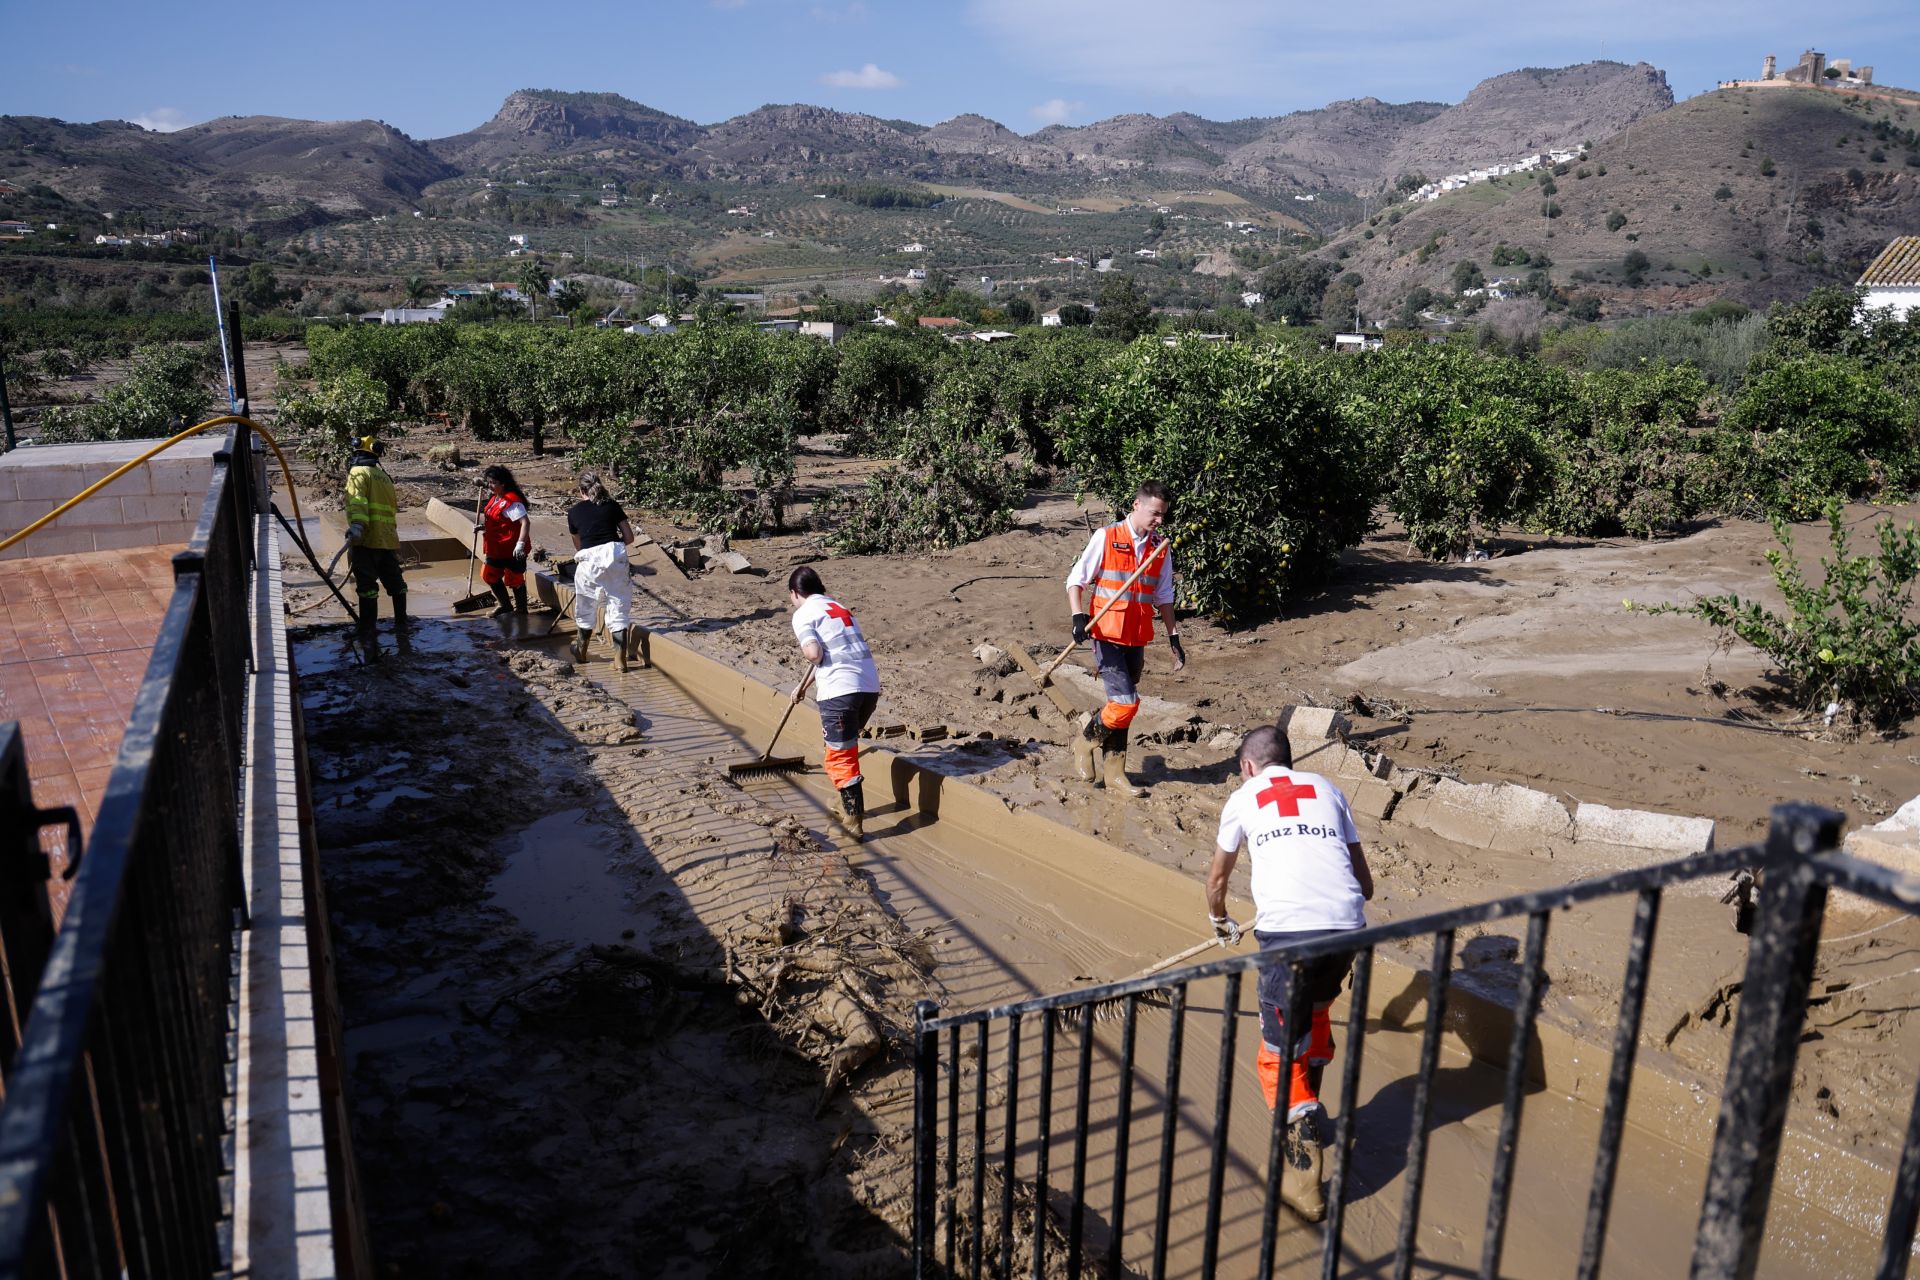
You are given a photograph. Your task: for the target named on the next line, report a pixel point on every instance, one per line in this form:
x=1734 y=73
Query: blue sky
x=435 y=68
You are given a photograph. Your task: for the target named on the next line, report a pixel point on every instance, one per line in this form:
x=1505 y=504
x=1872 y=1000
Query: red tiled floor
x=75 y=636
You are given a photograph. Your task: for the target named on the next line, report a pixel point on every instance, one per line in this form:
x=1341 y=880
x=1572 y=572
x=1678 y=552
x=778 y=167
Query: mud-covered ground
x=1522 y=668
x=562 y=1059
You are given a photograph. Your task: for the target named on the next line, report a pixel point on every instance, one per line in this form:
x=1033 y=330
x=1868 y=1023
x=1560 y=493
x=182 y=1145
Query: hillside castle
x=1813 y=68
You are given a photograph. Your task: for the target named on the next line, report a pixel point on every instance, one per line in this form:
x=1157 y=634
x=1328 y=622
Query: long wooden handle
x=1173 y=960
x=791 y=704
x=1124 y=587
x=473 y=547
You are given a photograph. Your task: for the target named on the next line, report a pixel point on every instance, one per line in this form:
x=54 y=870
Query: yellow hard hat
x=369 y=444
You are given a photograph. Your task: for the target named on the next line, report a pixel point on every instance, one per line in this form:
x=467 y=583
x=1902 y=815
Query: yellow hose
x=168 y=443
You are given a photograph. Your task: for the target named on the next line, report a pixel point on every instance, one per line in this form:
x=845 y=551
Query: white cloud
x=162 y=120
x=867 y=77
x=1057 y=111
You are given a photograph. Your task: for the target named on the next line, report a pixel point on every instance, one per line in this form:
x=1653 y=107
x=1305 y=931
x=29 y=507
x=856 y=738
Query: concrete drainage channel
x=998 y=904
x=1091 y=911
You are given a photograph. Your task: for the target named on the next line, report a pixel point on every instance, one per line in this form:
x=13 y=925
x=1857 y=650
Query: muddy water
x=558 y=885
x=1012 y=922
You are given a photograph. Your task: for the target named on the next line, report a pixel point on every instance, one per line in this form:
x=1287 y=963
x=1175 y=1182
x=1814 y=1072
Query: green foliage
x=395 y=356
x=953 y=486
x=1270 y=480
x=1616 y=220
x=324 y=417
x=1631 y=461
x=1123 y=314
x=1812 y=426
x=1851 y=638
x=883 y=375
x=878 y=195
x=1465 y=439
x=165 y=390
x=1293 y=288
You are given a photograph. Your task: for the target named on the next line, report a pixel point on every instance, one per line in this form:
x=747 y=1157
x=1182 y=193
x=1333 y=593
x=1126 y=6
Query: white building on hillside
x=1893 y=279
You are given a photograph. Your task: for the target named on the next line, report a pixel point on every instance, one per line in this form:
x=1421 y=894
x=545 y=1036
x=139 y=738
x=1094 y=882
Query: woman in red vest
x=505 y=534
x=1121 y=636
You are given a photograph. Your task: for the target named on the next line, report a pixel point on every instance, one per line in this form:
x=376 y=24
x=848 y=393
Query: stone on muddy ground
x=1373 y=799
x=688 y=555
x=995 y=659
x=715 y=545
x=733 y=562
x=446 y=456
x=1639 y=829
x=927 y=732
x=1893 y=844
x=1489 y=815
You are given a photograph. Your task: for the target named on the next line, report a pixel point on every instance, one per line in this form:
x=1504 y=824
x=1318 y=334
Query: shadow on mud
x=549 y=1071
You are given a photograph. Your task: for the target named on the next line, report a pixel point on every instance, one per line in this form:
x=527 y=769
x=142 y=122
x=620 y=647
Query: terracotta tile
x=20 y=694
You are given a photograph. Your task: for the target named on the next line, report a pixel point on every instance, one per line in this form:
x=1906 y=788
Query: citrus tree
x=1271 y=481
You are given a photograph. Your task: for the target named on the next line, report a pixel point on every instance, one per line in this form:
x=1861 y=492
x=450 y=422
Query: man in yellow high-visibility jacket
x=375 y=543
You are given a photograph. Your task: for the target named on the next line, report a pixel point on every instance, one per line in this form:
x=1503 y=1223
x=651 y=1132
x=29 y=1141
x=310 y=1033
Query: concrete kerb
x=1477 y=1027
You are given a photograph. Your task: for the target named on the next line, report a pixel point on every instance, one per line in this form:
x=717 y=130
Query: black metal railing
x=112 y=1133
x=953 y=1233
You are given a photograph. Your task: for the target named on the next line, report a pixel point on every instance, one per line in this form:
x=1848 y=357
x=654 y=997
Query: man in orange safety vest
x=1121 y=634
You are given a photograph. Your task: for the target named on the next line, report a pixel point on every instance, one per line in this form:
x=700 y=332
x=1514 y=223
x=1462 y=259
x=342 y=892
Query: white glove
x=520 y=548
x=355 y=532
x=1225 y=929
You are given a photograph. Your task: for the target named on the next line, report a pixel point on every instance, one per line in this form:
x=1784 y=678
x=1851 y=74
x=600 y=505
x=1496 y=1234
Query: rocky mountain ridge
x=271 y=170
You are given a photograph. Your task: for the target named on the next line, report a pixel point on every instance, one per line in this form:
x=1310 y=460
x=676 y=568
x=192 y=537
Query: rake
x=1114 y=1006
x=766 y=761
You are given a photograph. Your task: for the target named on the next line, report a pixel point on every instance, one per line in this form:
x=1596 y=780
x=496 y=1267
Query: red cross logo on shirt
x=1285 y=796
x=838 y=611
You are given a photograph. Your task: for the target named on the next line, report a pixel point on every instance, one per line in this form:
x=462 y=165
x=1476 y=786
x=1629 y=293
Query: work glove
x=355 y=532
x=520 y=548
x=1225 y=929
x=1082 y=623
x=1179 y=652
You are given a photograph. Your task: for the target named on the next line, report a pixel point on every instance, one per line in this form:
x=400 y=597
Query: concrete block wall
x=1500 y=816
x=155 y=504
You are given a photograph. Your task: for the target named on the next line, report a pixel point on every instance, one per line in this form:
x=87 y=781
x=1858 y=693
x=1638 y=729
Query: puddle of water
x=558 y=885
x=402 y=1032
x=384 y=798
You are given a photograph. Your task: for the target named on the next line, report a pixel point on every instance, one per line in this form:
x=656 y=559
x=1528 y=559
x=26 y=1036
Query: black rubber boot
x=619 y=639
x=402 y=640
x=520 y=600
x=368 y=637
x=505 y=606
x=581 y=638
x=853 y=810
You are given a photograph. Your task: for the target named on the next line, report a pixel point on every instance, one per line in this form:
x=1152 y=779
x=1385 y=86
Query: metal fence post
x=1766 y=1039
x=926 y=1060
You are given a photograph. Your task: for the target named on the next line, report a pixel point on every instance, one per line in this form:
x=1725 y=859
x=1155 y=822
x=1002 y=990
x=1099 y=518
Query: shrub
x=1849 y=639
x=322 y=419
x=164 y=391
x=1464 y=438
x=953 y=486
x=1616 y=220
x=1812 y=426
x=1270 y=480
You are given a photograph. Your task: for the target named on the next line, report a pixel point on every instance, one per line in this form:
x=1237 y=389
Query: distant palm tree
x=533 y=281
x=417 y=288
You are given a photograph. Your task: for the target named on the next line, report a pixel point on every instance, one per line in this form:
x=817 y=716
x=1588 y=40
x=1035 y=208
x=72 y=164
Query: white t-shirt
x=1296 y=827
x=1086 y=570
x=846 y=664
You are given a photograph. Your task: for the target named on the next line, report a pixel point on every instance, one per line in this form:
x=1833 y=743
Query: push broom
x=473 y=600
x=766 y=761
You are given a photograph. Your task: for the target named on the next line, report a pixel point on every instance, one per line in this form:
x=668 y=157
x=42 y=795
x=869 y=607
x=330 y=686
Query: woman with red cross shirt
x=848 y=680
x=1310 y=879
x=1125 y=606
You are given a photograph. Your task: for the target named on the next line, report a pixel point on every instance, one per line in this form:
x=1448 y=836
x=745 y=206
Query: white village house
x=1893 y=279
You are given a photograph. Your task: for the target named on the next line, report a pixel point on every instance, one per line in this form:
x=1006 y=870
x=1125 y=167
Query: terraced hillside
x=1752 y=194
